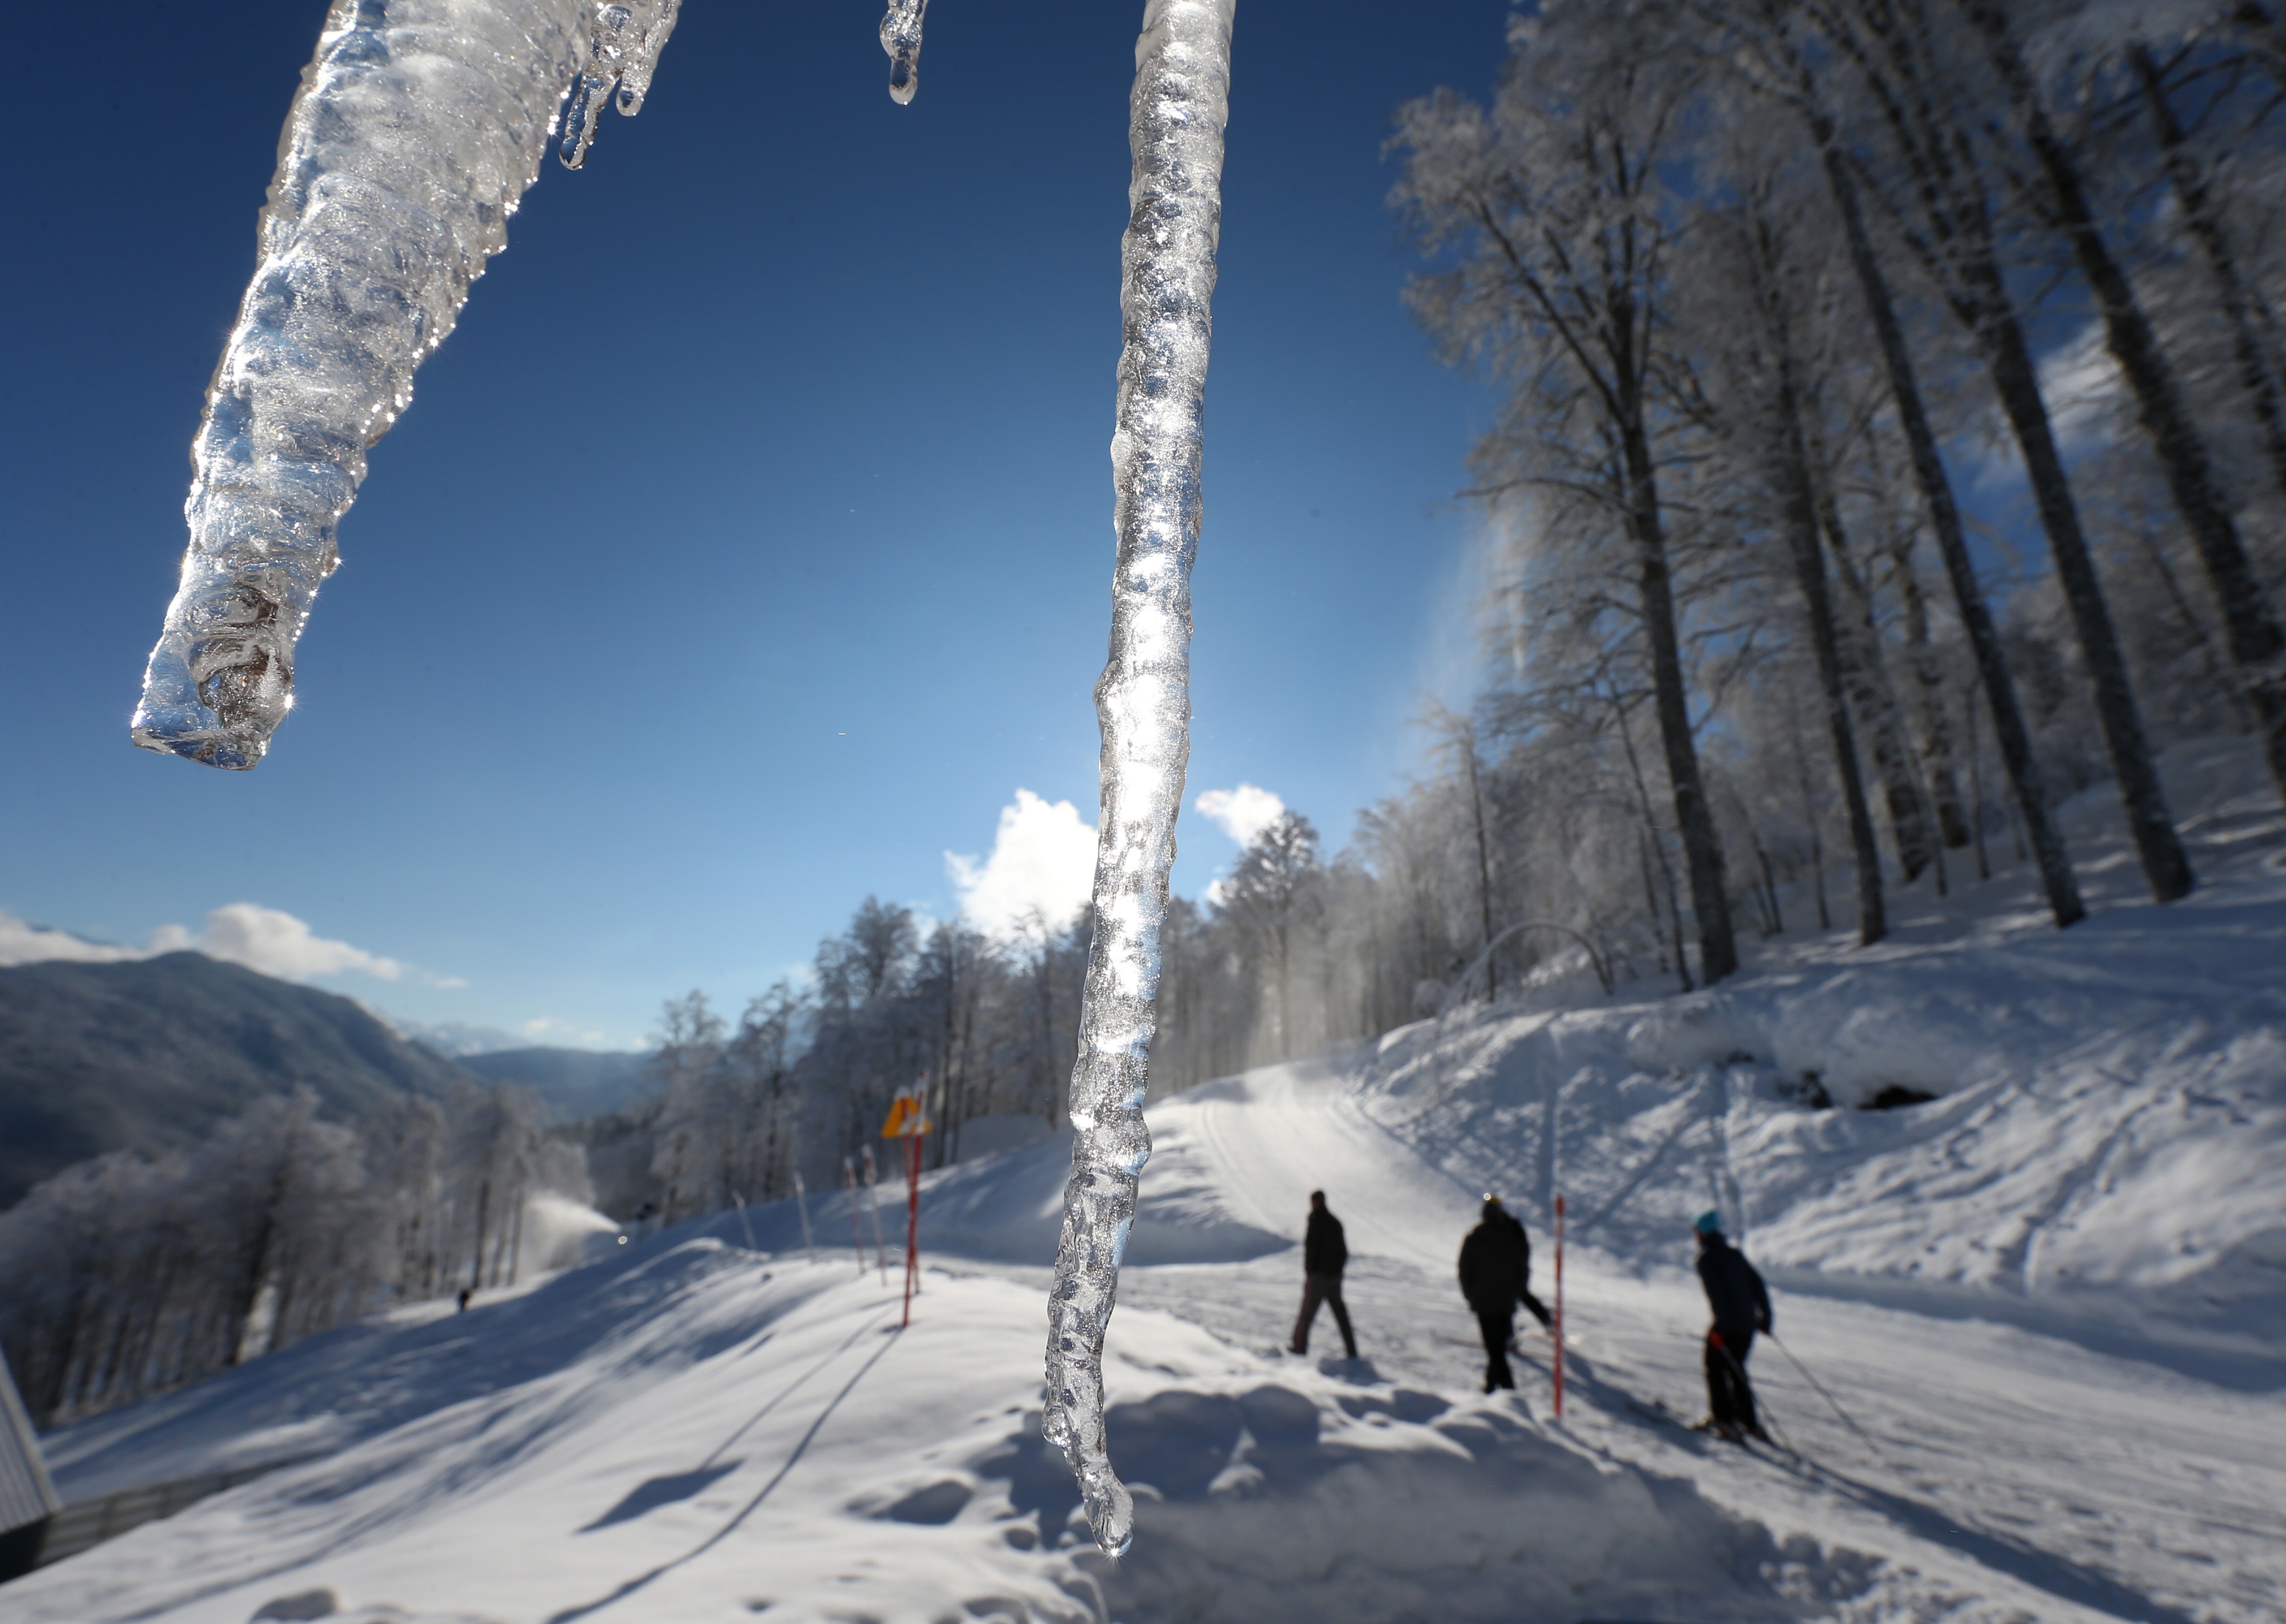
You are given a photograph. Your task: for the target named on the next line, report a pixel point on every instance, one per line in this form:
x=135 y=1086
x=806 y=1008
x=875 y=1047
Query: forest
x=1894 y=445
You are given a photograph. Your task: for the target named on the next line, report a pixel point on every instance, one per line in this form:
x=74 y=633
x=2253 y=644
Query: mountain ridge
x=149 y=1054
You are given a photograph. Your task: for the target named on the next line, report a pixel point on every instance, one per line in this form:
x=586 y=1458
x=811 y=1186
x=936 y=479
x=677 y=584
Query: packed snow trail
x=416 y=132
x=686 y=1430
x=1143 y=700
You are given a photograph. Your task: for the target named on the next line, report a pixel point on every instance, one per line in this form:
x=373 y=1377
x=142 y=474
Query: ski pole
x=743 y=1223
x=1762 y=1417
x=1828 y=1397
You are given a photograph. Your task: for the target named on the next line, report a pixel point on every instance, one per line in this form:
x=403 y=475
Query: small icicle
x=1182 y=82
x=623 y=45
x=901 y=37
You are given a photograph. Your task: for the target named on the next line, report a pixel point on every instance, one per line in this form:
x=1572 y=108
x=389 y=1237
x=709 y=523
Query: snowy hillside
x=2051 y=1297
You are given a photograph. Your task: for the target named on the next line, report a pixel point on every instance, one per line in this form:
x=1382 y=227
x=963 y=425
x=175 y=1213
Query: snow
x=1143 y=699
x=2051 y=1298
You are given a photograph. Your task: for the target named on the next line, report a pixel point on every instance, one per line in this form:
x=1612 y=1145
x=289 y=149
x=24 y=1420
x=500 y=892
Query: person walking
x=1325 y=1253
x=1741 y=1306
x=1495 y=1276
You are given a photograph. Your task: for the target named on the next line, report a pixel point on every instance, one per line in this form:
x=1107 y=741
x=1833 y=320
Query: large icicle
x=1182 y=82
x=418 y=126
x=901 y=37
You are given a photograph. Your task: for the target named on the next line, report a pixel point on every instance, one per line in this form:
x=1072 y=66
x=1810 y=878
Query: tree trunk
x=1484 y=858
x=1867 y=673
x=2257 y=640
x=1930 y=712
x=1977 y=785
x=1810 y=820
x=2255 y=373
x=2166 y=867
x=1654 y=848
x=1801 y=505
x=1960 y=254
x=1694 y=815
x=2028 y=787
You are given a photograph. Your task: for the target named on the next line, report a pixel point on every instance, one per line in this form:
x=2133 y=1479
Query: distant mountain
x=577 y=1082
x=455 y=1038
x=151 y=1053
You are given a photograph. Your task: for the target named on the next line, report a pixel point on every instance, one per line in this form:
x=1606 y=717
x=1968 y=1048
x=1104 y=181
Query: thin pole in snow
x=873 y=1200
x=802 y=1205
x=912 y=1222
x=1829 y=1398
x=1559 y=1308
x=743 y=1223
x=856 y=1229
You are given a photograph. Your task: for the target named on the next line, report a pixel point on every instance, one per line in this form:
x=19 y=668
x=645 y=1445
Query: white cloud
x=1043 y=862
x=275 y=942
x=269 y=940
x=1243 y=812
x=22 y=943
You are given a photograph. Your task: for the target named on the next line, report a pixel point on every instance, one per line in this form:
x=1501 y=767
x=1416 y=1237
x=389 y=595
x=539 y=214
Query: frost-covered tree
x=131 y=1273
x=1554 y=210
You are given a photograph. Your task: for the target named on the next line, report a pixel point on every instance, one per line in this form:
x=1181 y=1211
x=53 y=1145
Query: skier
x=1324 y=1253
x=1495 y=1276
x=1741 y=1308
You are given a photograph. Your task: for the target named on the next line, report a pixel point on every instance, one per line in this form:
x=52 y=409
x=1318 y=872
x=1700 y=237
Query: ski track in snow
x=2050 y=1299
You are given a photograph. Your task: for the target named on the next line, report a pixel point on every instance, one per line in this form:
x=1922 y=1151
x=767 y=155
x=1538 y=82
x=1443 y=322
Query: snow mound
x=759 y=1434
x=2093 y=1119
x=1268 y=1505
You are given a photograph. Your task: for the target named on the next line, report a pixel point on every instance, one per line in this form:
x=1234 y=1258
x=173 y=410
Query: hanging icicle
x=623 y=46
x=1182 y=79
x=417 y=129
x=901 y=37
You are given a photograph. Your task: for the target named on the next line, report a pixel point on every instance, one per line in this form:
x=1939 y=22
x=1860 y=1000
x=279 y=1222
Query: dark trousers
x=1325 y=1289
x=1498 y=1326
x=1730 y=1400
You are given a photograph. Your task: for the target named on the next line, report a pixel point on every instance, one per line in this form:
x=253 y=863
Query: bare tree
x=1556 y=203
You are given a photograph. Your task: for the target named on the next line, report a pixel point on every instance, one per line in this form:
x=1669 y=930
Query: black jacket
x=1734 y=1291
x=1495 y=1264
x=1323 y=1250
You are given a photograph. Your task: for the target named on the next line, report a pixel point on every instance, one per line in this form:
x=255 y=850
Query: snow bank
x=1268 y=1505
x=2107 y=1132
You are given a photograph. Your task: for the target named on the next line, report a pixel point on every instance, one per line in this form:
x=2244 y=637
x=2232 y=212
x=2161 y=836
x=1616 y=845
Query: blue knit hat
x=1708 y=1223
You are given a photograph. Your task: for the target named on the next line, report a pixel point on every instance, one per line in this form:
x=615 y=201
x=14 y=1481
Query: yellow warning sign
x=906 y=1118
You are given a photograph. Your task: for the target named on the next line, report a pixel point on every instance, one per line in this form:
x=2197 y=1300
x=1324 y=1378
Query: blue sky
x=746 y=548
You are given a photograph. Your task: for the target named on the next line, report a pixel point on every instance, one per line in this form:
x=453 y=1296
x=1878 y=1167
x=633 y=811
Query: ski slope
x=2050 y=1301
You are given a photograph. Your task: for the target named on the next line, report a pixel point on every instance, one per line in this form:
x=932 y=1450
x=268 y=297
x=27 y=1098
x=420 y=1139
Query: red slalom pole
x=1559 y=1308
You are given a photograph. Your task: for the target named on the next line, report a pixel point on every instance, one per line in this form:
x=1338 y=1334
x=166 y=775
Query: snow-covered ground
x=2052 y=1299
